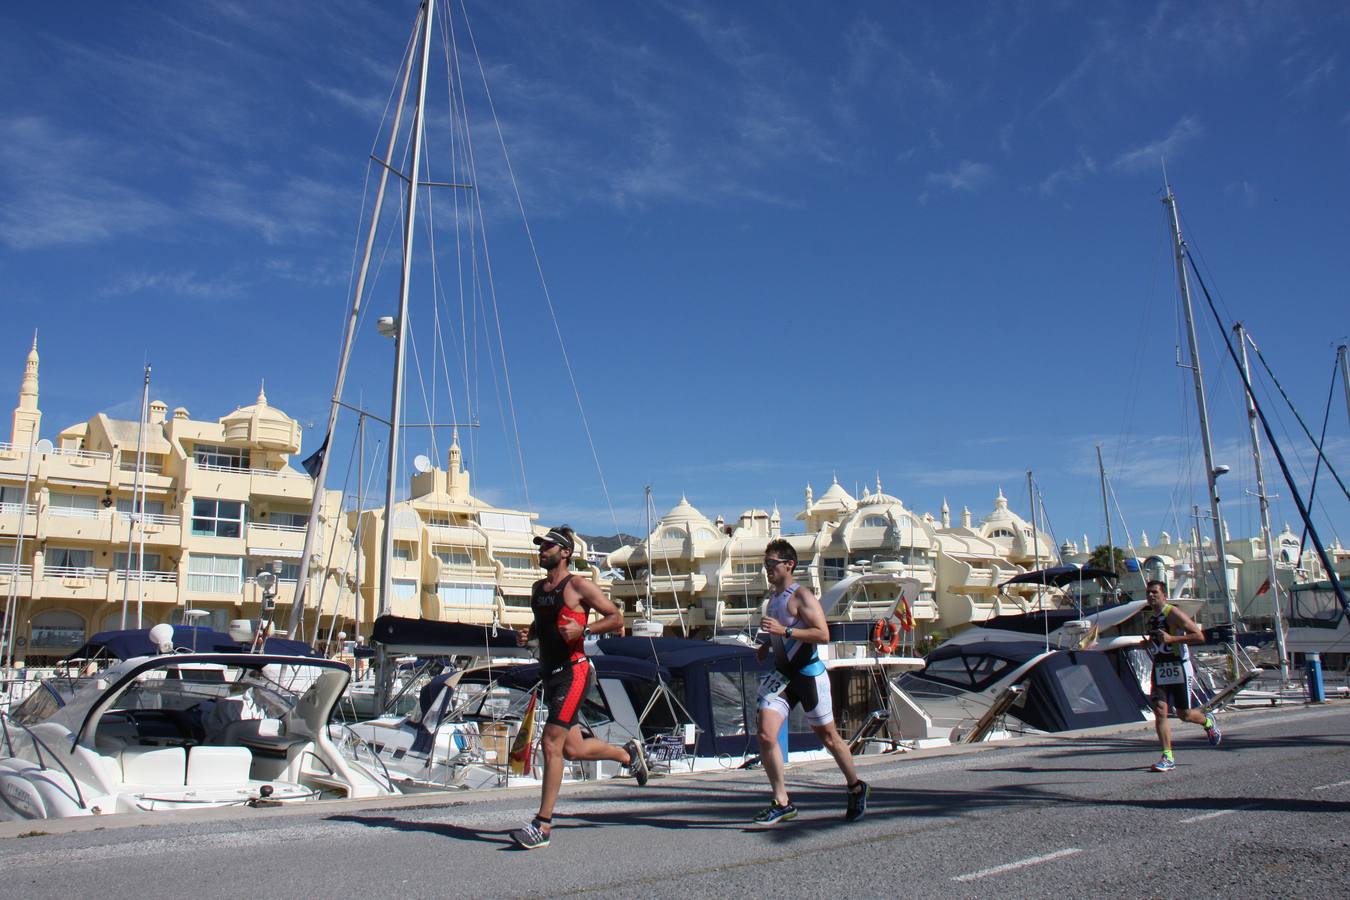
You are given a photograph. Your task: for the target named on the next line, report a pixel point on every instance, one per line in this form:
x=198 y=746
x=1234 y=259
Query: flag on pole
x=1265 y=586
x=521 y=747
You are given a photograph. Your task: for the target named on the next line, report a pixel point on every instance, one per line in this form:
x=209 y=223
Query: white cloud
x=1152 y=154
x=968 y=176
x=54 y=192
x=1070 y=174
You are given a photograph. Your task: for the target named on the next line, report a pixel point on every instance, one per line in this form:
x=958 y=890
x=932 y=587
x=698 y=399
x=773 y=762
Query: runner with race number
x=1170 y=635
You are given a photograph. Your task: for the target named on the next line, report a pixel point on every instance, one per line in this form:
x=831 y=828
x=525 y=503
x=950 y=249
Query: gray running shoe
x=857 y=800
x=638 y=764
x=774 y=814
x=531 y=837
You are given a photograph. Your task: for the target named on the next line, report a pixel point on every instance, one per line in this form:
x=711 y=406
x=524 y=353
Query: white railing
x=274 y=473
x=14 y=509
x=15 y=569
x=152 y=518
x=157 y=577
x=75 y=512
x=289 y=529
x=73 y=572
x=81 y=454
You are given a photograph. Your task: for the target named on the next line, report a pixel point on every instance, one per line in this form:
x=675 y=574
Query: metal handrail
x=232 y=470
x=157 y=577
x=12 y=508
x=74 y=572
x=80 y=454
x=76 y=512
x=291 y=529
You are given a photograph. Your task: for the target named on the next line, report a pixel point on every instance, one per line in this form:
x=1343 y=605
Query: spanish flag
x=522 y=762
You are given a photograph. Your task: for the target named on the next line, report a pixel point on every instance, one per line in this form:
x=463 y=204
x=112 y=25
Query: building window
x=405 y=550
x=705 y=534
x=747 y=568
x=131 y=562
x=220 y=457
x=452 y=556
x=152 y=507
x=1002 y=533
x=672 y=534
x=77 y=505
x=494 y=521
x=57 y=629
x=440 y=520
x=874 y=522
x=69 y=558
x=403 y=588
x=451 y=594
x=210 y=574
x=518 y=563
x=287 y=572
x=222 y=518
x=288 y=519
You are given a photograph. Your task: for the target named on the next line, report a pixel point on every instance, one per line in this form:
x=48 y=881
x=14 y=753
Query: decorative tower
x=946 y=514
x=27 y=416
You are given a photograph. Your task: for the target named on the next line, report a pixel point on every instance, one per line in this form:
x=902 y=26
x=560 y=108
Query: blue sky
x=784 y=241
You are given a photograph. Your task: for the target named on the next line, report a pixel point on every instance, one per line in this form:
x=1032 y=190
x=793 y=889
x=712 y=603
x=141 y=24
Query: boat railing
x=356 y=745
x=38 y=746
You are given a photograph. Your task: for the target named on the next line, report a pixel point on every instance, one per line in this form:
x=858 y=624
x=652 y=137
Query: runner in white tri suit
x=793 y=625
x=1170 y=634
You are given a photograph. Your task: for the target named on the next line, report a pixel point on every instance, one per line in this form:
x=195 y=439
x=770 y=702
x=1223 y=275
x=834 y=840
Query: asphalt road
x=1266 y=814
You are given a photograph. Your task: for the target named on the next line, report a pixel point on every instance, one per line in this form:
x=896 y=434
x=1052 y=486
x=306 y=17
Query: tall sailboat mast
x=137 y=513
x=1106 y=507
x=401 y=323
x=353 y=316
x=1266 y=535
x=1211 y=472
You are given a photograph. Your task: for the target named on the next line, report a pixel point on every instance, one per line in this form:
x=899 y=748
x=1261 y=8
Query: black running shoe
x=637 y=761
x=857 y=800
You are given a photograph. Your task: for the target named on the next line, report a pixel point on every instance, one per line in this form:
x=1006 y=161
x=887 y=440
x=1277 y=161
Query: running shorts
x=1174 y=684
x=781 y=692
x=564 y=689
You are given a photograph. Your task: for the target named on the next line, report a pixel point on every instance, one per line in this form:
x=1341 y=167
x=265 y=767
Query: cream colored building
x=221 y=501
x=455 y=558
x=704 y=575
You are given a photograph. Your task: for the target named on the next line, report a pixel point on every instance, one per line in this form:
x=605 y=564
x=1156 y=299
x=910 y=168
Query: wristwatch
x=787 y=633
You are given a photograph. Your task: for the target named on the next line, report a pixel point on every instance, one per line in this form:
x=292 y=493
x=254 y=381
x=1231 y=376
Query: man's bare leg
x=770 y=723
x=830 y=737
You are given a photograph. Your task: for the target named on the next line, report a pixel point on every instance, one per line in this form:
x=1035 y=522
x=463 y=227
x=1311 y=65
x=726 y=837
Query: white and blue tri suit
x=799 y=676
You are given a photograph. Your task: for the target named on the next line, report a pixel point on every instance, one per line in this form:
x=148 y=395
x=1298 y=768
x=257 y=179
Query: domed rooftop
x=683 y=513
x=264 y=426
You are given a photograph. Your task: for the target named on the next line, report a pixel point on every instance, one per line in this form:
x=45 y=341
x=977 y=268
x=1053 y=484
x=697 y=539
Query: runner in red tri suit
x=561 y=605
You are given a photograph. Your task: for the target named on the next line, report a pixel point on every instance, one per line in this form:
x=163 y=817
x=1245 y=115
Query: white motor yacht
x=179 y=731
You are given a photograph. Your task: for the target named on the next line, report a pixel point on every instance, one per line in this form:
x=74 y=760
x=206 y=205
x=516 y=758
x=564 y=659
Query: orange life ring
x=885 y=636
x=905 y=616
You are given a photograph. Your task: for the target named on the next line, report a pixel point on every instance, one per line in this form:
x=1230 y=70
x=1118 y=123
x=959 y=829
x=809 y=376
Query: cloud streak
x=1138 y=159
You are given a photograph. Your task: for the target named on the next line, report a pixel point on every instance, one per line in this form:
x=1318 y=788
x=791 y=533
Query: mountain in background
x=609 y=543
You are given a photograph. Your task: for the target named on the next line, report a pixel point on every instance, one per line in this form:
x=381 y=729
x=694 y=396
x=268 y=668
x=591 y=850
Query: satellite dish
x=421 y=463
x=43 y=446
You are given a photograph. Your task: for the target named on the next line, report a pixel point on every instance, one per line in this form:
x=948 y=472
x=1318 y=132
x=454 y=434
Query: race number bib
x=772 y=685
x=1169 y=673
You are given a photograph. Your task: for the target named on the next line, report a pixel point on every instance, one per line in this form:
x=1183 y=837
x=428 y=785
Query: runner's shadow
x=442 y=829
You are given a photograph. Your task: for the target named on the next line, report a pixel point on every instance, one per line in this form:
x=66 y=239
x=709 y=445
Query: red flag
x=1265 y=586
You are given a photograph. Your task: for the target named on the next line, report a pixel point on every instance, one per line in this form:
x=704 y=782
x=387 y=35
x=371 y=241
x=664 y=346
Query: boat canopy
x=1058 y=576
x=1051 y=620
x=134 y=642
x=423 y=637
x=717 y=684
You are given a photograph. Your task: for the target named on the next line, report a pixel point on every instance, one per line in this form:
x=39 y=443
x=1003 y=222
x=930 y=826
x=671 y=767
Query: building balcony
x=283 y=540
x=63 y=523
x=78 y=466
x=272 y=484
x=151 y=587
x=159 y=530
x=76 y=582
x=11 y=513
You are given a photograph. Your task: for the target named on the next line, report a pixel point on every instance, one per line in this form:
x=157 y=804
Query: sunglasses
x=546 y=545
x=770 y=563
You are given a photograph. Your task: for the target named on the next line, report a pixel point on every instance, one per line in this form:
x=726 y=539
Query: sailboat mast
x=1211 y=473
x=1266 y=535
x=1345 y=375
x=348 y=339
x=647 y=607
x=400 y=342
x=136 y=514
x=1106 y=508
